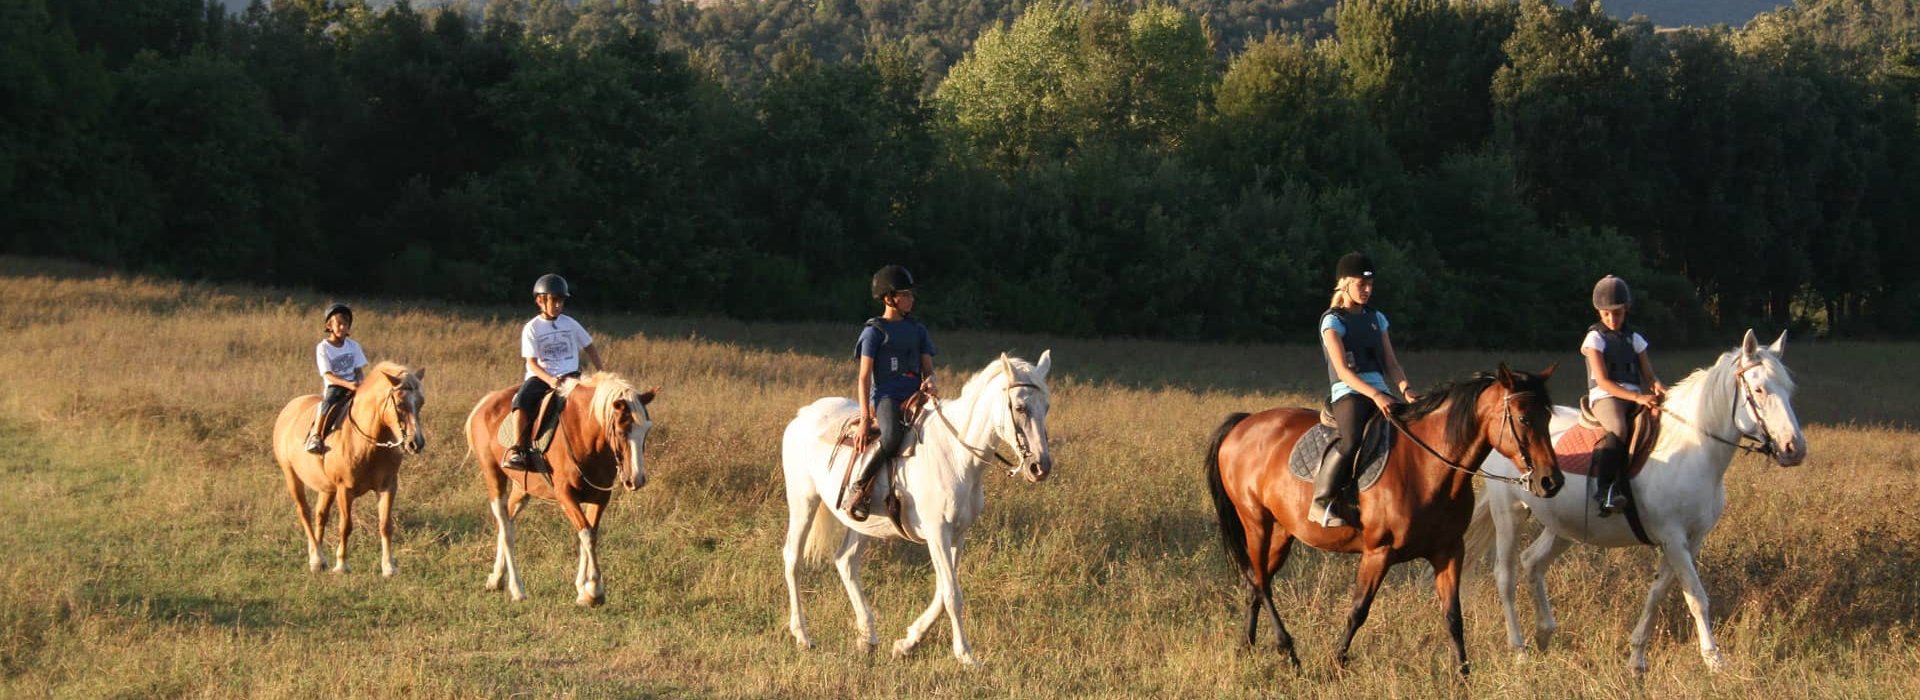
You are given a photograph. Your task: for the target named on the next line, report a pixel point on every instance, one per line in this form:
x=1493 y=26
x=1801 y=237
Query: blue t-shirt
x=896 y=347
x=1373 y=379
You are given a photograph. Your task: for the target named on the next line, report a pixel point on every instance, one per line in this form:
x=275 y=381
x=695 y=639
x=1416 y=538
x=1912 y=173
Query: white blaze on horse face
x=1776 y=419
x=636 y=447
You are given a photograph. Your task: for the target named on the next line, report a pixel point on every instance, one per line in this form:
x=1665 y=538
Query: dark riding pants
x=893 y=432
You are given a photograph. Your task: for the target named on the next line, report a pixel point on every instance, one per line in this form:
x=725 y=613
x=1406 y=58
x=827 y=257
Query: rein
x=1507 y=416
x=396 y=442
x=612 y=446
x=1019 y=436
x=1765 y=439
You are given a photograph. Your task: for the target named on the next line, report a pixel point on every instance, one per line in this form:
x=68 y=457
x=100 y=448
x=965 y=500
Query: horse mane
x=1462 y=426
x=609 y=387
x=394 y=369
x=997 y=368
x=1696 y=403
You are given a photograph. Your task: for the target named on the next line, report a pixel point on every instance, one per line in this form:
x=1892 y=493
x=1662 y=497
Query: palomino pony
x=600 y=440
x=1680 y=493
x=363 y=454
x=1418 y=509
x=940 y=490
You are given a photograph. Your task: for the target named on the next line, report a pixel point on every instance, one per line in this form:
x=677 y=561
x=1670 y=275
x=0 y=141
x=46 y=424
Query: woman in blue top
x=1360 y=366
x=896 y=360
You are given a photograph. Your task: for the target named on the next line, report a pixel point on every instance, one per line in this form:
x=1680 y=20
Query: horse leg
x=800 y=511
x=925 y=621
x=590 y=585
x=847 y=562
x=946 y=564
x=387 y=567
x=571 y=508
x=1446 y=585
x=1681 y=559
x=1373 y=570
x=315 y=562
x=1277 y=550
x=1643 y=629
x=346 y=528
x=1534 y=563
x=1505 y=531
x=504 y=508
x=321 y=510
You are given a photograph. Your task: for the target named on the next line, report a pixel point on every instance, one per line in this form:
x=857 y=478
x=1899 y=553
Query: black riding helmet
x=337 y=308
x=1354 y=265
x=551 y=284
x=891 y=279
x=1611 y=293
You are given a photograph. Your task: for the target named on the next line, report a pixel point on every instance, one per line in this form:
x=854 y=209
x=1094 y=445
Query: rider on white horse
x=1617 y=369
x=896 y=360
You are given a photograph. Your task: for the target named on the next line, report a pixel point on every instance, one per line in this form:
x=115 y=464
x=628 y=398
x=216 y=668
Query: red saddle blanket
x=1575 y=448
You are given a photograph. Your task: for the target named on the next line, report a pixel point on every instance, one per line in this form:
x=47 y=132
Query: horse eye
x=1022 y=409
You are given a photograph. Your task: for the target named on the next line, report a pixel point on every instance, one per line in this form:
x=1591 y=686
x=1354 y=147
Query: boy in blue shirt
x=896 y=360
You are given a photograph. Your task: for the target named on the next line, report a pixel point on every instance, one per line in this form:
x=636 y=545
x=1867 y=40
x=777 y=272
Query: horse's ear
x=1749 y=345
x=391 y=379
x=1779 y=346
x=1547 y=373
x=647 y=397
x=1504 y=376
x=620 y=406
x=1045 y=365
x=420 y=374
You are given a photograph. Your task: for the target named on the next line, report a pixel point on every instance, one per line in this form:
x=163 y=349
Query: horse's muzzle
x=1549 y=485
x=1038 y=470
x=1791 y=454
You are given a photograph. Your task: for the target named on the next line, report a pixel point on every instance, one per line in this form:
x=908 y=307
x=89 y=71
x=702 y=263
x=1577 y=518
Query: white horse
x=940 y=490
x=1680 y=493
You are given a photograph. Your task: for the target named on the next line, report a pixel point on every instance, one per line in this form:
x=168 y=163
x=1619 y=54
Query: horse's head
x=1515 y=421
x=406 y=395
x=1764 y=409
x=621 y=411
x=1021 y=421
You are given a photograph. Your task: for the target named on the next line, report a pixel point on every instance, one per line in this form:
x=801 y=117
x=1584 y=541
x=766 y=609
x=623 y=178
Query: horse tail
x=824 y=538
x=1480 y=530
x=1233 y=535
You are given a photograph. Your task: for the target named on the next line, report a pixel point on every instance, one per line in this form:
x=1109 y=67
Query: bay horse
x=382 y=422
x=1747 y=394
x=940 y=491
x=1418 y=509
x=600 y=440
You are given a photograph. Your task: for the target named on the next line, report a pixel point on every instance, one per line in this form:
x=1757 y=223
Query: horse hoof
x=586 y=601
x=516 y=595
x=316 y=566
x=966 y=659
x=342 y=568
x=902 y=647
x=388 y=570
x=1716 y=662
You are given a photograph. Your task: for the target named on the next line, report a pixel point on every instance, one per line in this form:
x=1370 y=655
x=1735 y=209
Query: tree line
x=1159 y=169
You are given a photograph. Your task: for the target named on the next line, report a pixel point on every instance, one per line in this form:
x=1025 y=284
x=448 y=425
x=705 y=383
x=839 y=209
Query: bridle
x=614 y=444
x=1764 y=439
x=406 y=434
x=1513 y=430
x=1020 y=442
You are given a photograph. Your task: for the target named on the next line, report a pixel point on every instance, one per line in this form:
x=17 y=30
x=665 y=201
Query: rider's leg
x=526 y=403
x=1351 y=413
x=317 y=436
x=1610 y=455
x=886 y=413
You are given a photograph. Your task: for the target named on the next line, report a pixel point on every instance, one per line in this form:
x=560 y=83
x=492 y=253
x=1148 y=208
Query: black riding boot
x=519 y=456
x=316 y=438
x=1610 y=477
x=1326 y=488
x=863 y=487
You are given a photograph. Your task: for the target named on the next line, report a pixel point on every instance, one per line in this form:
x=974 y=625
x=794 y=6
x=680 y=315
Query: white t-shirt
x=1599 y=344
x=556 y=344
x=343 y=362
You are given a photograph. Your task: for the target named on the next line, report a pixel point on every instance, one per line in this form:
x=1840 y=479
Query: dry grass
x=151 y=550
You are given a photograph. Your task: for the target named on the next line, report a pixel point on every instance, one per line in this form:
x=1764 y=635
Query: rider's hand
x=866 y=418
x=1649 y=401
x=1384 y=401
x=926 y=386
x=1411 y=397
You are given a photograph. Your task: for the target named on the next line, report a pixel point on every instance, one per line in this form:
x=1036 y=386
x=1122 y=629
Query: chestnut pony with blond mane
x=600 y=441
x=363 y=454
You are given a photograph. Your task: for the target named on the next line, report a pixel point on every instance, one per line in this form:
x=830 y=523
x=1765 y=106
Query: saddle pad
x=1311 y=451
x=542 y=434
x=1574 y=449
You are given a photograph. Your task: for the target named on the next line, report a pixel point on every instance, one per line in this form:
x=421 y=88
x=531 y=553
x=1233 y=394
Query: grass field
x=149 y=548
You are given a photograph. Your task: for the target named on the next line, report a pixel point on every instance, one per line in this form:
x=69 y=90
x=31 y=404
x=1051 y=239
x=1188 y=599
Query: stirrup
x=520 y=459
x=1607 y=503
x=857 y=507
x=1327 y=518
x=316 y=445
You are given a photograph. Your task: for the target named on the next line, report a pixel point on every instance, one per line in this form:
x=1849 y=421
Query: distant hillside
x=1673 y=13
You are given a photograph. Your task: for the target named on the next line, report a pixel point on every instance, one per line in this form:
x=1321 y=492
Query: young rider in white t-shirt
x=552 y=344
x=1620 y=381
x=340 y=362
